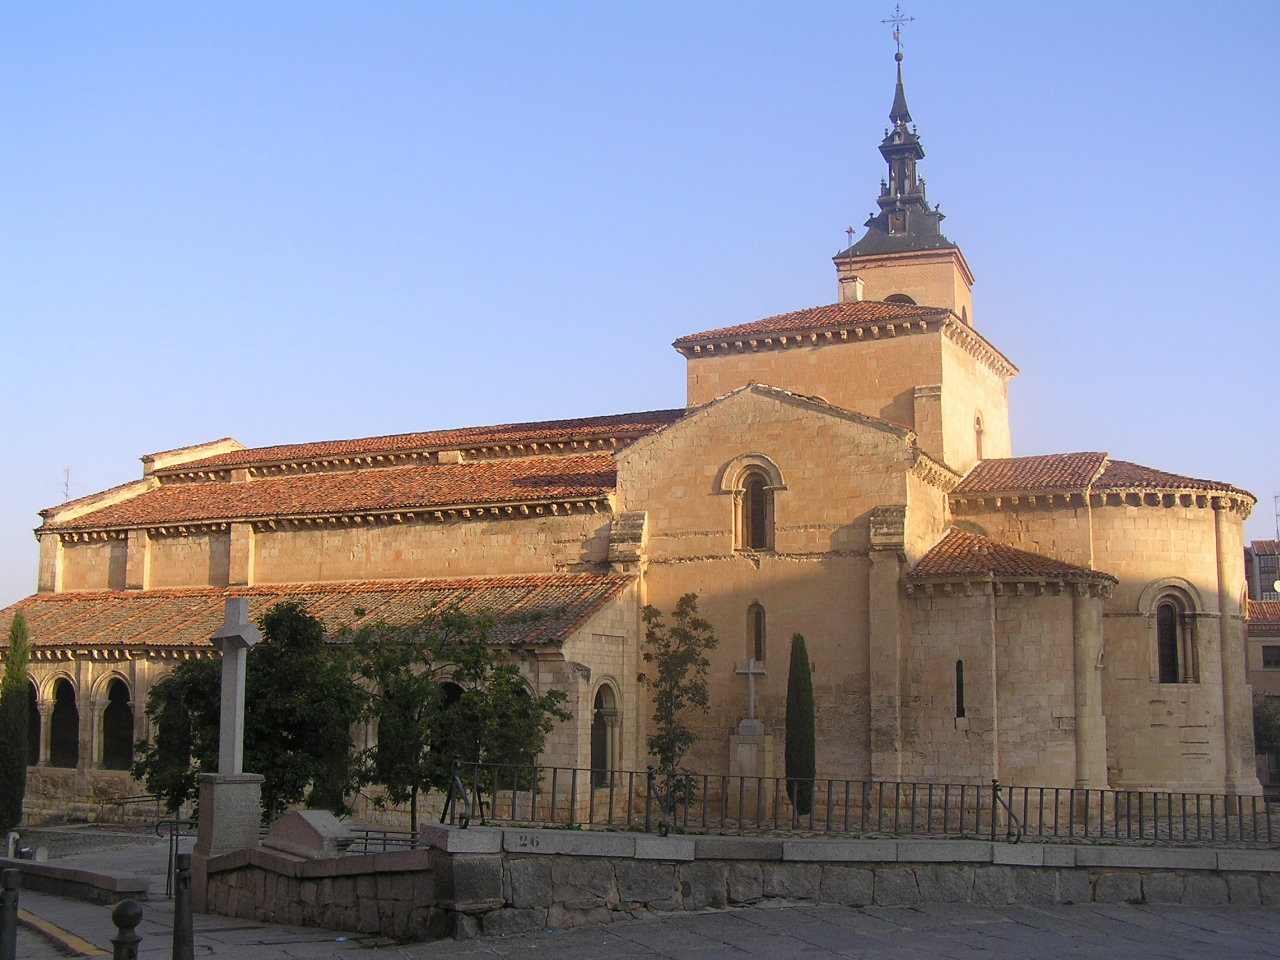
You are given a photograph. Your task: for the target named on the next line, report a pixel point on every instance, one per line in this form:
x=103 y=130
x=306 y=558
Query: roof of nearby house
x=1264 y=618
x=534 y=609
x=1265 y=548
x=964 y=554
x=1059 y=472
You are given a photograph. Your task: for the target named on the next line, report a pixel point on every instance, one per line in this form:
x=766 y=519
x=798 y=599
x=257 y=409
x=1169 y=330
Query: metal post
x=9 y=881
x=126 y=916
x=183 y=928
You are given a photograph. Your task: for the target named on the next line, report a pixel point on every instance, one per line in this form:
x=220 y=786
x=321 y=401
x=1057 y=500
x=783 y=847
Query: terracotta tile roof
x=392 y=488
x=964 y=554
x=1264 y=618
x=1077 y=471
x=818 y=318
x=1265 y=548
x=627 y=424
x=1121 y=474
x=188 y=617
x=1059 y=471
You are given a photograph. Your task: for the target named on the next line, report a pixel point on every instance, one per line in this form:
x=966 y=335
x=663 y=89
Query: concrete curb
x=63 y=938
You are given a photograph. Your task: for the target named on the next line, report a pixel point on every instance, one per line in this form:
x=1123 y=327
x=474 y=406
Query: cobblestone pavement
x=945 y=931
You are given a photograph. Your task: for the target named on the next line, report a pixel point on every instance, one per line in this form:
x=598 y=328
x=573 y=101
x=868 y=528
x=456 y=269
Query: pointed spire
x=899 y=113
x=906 y=220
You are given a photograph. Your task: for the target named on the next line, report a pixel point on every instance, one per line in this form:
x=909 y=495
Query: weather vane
x=897 y=20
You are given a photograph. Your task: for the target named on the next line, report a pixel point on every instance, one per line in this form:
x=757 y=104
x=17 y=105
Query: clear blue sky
x=291 y=221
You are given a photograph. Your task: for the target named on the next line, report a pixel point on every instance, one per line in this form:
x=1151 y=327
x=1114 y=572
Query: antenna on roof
x=1276 y=501
x=66 y=484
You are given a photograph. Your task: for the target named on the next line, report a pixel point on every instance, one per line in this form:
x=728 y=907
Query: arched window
x=117 y=728
x=604 y=736
x=1170 y=642
x=33 y=725
x=64 y=726
x=755 y=517
x=755 y=632
x=977 y=434
x=899 y=298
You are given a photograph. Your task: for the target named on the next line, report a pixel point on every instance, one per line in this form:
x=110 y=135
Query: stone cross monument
x=751 y=754
x=234 y=640
x=749 y=726
x=230 y=800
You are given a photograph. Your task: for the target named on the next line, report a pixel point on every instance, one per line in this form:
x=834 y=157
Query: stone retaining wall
x=391 y=894
x=500 y=881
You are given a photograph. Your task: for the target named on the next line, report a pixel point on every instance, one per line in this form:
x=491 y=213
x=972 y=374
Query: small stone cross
x=752 y=671
x=234 y=640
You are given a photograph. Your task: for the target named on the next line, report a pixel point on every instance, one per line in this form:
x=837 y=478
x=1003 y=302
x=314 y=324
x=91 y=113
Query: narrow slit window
x=959 y=689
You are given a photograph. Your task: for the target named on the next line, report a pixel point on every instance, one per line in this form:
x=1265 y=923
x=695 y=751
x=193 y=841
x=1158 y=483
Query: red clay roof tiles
x=626 y=424
x=1266 y=548
x=1264 y=618
x=964 y=554
x=391 y=488
x=818 y=318
x=535 y=609
x=1076 y=471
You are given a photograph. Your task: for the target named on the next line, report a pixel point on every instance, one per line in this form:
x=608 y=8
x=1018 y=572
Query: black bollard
x=183 y=929
x=9 y=914
x=126 y=916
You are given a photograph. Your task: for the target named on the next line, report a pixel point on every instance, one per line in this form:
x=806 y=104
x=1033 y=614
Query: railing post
x=126 y=916
x=648 y=801
x=995 y=805
x=183 y=928
x=9 y=881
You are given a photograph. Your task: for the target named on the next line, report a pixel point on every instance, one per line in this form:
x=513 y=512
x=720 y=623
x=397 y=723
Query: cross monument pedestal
x=230 y=800
x=751 y=757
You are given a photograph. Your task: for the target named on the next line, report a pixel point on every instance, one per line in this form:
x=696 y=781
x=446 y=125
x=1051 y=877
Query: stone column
x=240 y=561
x=1237 y=709
x=94 y=753
x=884 y=642
x=137 y=570
x=46 y=730
x=1091 y=724
x=50 y=578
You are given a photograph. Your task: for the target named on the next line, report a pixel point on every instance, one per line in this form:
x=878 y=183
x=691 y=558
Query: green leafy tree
x=13 y=723
x=1266 y=723
x=678 y=680
x=183 y=710
x=801 y=746
x=300 y=703
x=441 y=691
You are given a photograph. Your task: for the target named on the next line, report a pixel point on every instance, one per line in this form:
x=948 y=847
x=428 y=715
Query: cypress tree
x=13 y=724
x=801 y=749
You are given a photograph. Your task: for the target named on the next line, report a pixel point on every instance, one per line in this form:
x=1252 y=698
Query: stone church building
x=843 y=472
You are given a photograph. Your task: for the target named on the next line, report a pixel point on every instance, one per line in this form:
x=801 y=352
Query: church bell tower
x=904 y=256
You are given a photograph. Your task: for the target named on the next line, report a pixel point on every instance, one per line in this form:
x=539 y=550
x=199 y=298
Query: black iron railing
x=701 y=803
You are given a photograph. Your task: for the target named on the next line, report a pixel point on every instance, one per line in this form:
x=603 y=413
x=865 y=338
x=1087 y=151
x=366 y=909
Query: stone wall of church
x=971 y=390
x=93 y=565
x=876 y=377
x=1182 y=735
x=815 y=580
x=1016 y=693
x=1195 y=734
x=576 y=542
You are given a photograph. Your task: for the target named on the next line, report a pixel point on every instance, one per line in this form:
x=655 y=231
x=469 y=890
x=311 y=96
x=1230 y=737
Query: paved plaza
x=775 y=932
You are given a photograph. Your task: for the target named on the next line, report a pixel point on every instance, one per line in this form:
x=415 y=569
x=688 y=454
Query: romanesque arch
x=606 y=729
x=64 y=724
x=117 y=727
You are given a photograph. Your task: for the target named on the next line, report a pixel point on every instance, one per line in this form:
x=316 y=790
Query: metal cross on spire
x=897 y=20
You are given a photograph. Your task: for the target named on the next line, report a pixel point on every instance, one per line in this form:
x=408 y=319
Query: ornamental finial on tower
x=906 y=221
